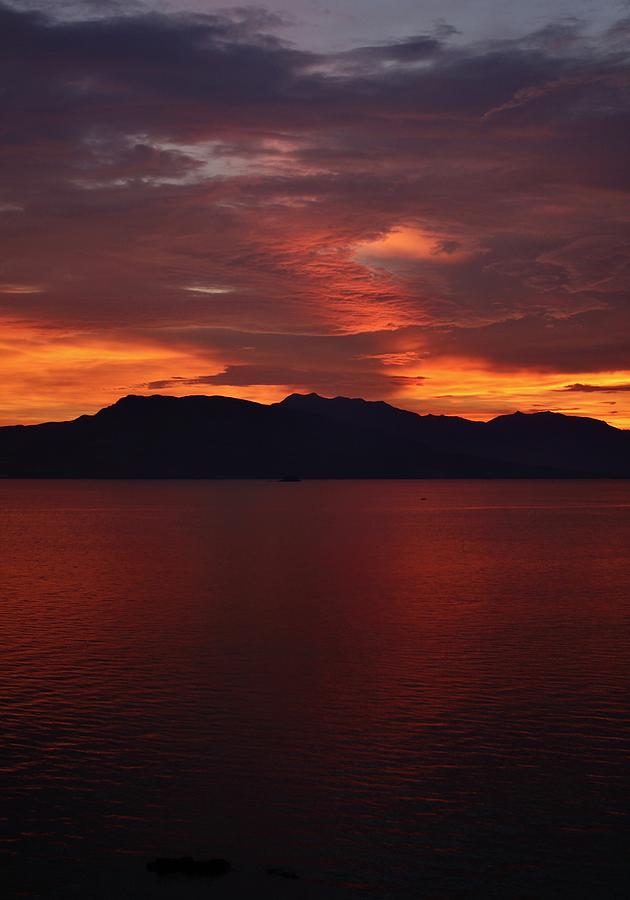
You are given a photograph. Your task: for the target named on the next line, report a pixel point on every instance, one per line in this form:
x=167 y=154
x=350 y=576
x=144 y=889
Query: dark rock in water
x=187 y=865
x=282 y=873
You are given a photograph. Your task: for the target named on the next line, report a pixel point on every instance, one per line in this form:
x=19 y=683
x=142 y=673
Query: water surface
x=398 y=689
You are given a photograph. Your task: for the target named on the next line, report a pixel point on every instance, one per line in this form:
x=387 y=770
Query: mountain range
x=311 y=437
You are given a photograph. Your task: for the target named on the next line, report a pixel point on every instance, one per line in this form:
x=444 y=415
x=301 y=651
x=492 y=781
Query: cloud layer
x=438 y=224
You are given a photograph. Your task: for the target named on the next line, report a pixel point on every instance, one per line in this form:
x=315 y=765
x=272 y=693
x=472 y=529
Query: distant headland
x=310 y=437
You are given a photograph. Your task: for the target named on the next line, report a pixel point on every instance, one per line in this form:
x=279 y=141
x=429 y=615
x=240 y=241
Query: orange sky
x=88 y=372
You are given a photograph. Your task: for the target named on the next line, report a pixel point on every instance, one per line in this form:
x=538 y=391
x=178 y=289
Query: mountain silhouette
x=308 y=436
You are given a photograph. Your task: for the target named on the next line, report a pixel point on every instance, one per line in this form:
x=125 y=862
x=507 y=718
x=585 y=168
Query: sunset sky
x=418 y=201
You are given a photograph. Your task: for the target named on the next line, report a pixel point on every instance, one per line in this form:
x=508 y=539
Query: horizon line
x=319 y=396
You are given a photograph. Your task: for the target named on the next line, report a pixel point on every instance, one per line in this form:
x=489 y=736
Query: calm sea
x=396 y=689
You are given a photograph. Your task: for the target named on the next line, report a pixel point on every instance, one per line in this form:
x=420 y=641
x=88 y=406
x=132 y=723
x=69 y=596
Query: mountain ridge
x=199 y=436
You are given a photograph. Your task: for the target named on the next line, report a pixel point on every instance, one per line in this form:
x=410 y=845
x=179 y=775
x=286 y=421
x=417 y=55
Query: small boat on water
x=286 y=478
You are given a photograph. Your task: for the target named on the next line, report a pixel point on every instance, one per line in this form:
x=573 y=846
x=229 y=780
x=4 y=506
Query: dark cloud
x=366 y=379
x=246 y=375
x=596 y=388
x=594 y=341
x=406 y=52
